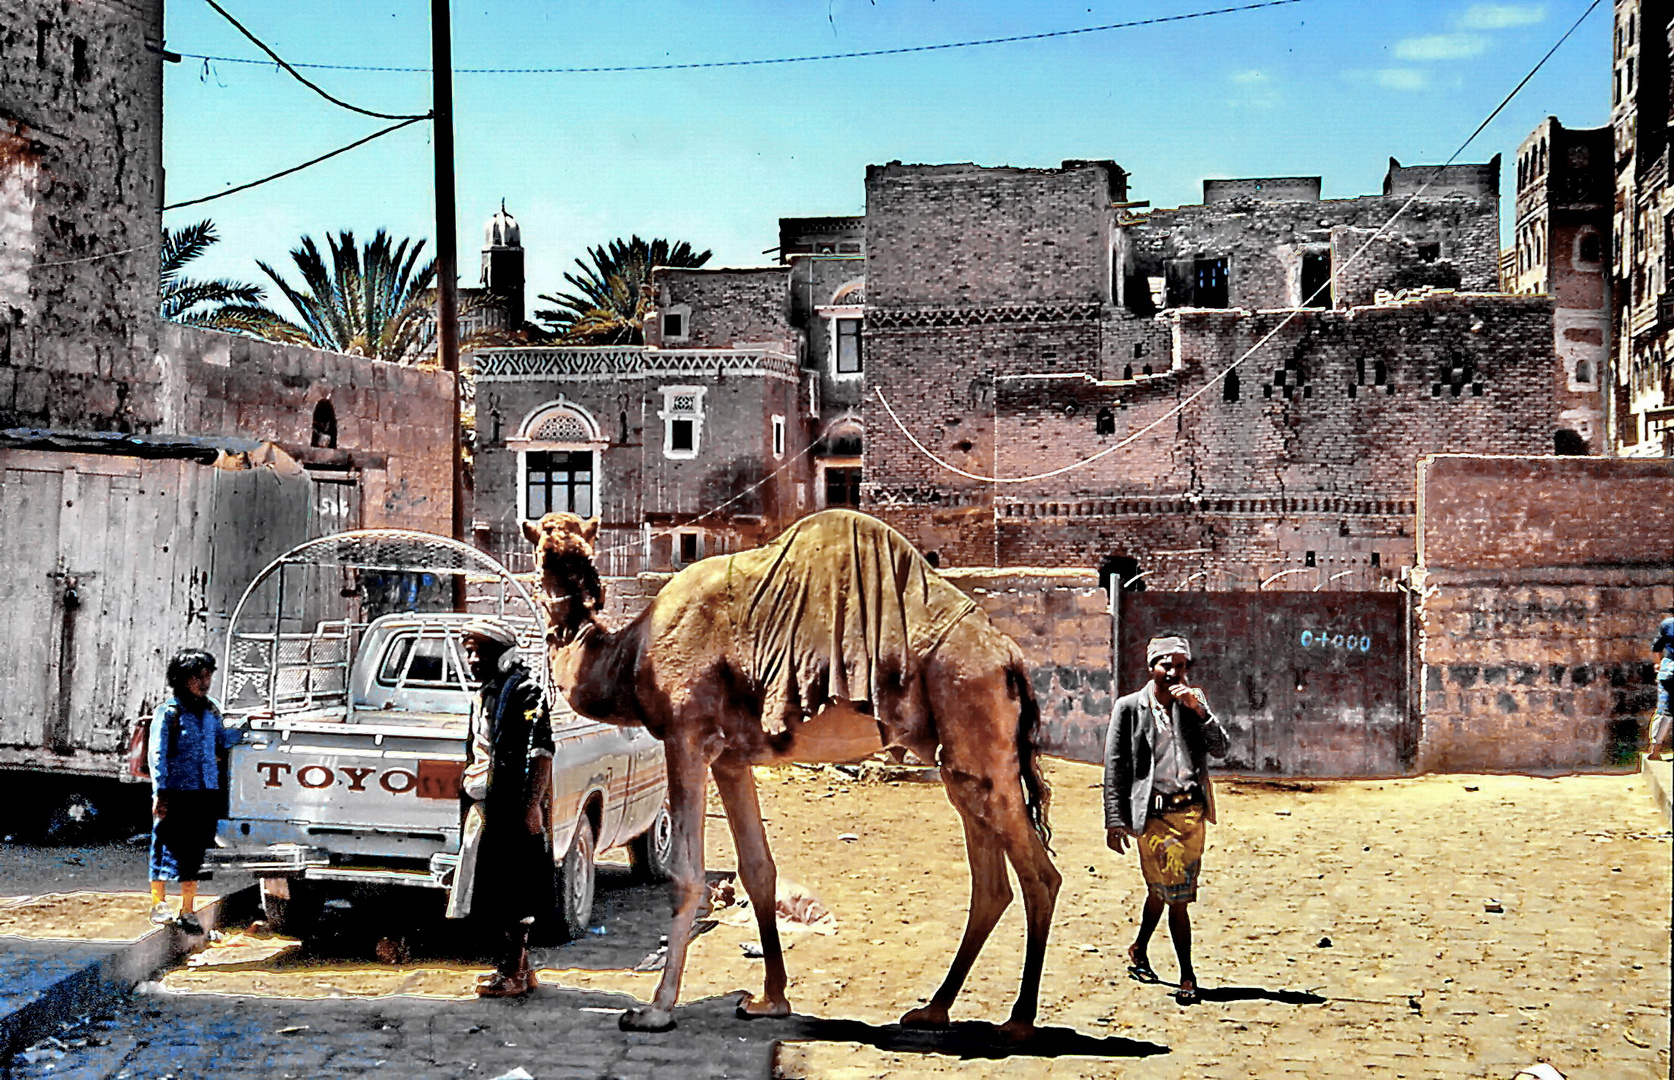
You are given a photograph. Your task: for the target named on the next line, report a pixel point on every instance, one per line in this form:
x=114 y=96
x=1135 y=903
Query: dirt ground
x=1436 y=927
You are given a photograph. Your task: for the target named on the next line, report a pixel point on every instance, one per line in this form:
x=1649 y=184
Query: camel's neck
x=594 y=671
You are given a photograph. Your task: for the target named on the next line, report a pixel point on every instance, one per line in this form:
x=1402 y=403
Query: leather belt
x=1162 y=803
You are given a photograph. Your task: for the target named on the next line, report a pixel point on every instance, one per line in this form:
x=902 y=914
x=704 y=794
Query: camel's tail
x=1037 y=793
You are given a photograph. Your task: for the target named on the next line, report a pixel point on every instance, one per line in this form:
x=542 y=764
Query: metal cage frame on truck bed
x=274 y=676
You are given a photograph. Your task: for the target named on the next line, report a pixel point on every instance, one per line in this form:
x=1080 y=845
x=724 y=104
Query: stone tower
x=502 y=264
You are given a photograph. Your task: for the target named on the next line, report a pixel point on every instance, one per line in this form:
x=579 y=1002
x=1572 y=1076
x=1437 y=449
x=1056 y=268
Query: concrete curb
x=1657 y=778
x=89 y=975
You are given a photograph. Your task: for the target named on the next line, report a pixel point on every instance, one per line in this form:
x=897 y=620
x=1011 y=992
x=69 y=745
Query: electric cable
x=1289 y=317
x=298 y=76
x=812 y=58
x=297 y=168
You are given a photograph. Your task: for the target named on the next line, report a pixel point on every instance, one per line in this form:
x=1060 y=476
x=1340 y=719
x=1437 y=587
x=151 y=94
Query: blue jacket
x=184 y=744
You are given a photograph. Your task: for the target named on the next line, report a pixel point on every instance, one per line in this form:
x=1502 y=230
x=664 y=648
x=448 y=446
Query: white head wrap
x=1167 y=646
x=495 y=630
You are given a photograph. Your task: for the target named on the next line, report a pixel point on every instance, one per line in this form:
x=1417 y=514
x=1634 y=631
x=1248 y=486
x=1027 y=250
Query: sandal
x=504 y=986
x=1139 y=968
x=1187 y=995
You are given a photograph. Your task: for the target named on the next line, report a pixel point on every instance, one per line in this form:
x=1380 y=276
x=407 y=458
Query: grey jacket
x=1128 y=747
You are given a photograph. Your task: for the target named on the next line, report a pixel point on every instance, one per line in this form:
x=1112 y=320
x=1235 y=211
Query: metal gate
x=1306 y=683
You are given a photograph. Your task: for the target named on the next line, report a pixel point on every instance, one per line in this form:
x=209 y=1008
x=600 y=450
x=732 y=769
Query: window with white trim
x=778 y=436
x=558 y=452
x=682 y=416
x=676 y=322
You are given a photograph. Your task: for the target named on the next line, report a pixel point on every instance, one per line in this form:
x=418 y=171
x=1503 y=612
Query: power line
x=297 y=75
x=1209 y=383
x=297 y=168
x=811 y=58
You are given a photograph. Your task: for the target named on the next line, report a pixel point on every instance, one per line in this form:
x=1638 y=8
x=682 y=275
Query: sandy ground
x=1345 y=928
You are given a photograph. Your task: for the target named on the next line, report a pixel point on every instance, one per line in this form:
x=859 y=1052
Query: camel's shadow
x=966 y=1040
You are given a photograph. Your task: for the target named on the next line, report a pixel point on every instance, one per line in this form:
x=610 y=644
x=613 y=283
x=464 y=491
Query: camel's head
x=564 y=553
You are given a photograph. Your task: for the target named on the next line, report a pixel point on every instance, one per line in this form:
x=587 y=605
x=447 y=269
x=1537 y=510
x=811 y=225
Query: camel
x=694 y=670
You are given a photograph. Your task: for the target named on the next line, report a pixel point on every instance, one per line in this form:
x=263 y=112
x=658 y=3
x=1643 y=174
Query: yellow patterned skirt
x=1171 y=854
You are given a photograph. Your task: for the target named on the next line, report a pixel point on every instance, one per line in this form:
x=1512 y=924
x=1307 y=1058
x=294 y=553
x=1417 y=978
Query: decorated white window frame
x=834 y=317
x=562 y=426
x=778 y=437
x=682 y=403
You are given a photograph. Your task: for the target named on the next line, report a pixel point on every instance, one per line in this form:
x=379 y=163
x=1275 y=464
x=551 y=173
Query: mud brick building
x=1641 y=402
x=1564 y=181
x=118 y=542
x=1259 y=372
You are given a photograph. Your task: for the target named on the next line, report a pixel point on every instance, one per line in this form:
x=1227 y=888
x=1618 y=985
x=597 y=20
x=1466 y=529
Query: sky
x=715 y=156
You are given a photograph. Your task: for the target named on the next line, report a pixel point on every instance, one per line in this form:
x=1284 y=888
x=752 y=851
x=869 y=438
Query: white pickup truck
x=347 y=780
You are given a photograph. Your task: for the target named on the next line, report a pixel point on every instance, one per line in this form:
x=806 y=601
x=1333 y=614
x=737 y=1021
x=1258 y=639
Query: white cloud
x=1252 y=77
x=1401 y=78
x=1500 y=16
x=1441 y=47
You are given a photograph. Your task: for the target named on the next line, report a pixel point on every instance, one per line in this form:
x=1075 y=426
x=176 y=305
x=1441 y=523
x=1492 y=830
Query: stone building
x=685 y=447
x=119 y=540
x=81 y=344
x=1562 y=232
x=1641 y=402
x=1260 y=372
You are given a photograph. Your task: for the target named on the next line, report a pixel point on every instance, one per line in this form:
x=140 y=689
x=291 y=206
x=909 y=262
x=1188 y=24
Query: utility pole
x=447 y=239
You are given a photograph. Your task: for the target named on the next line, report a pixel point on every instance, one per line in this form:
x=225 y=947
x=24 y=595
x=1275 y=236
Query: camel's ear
x=532 y=532
x=590 y=529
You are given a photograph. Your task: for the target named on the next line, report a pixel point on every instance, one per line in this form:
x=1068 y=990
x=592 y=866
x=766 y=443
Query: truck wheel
x=651 y=853
x=574 y=883
x=290 y=907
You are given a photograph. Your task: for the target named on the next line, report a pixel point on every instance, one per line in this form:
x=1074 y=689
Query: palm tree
x=607 y=307
x=370 y=300
x=221 y=304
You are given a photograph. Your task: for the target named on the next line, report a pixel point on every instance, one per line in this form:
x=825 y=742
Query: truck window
x=433 y=663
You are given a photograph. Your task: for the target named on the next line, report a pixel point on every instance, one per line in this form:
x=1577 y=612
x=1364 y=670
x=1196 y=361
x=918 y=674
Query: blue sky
x=716 y=156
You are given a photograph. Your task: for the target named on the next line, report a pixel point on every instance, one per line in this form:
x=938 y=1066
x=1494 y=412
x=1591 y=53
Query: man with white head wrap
x=505 y=867
x=1157 y=793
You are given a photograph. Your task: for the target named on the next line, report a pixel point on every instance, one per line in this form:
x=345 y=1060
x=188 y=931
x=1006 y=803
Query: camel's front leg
x=737 y=785
x=685 y=798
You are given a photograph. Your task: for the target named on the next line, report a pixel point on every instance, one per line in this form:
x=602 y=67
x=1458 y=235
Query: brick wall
x=1364 y=263
x=728 y=308
x=391 y=419
x=1541 y=585
x=957 y=235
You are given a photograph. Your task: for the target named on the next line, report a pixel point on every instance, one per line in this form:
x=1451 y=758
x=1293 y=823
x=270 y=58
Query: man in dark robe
x=505 y=865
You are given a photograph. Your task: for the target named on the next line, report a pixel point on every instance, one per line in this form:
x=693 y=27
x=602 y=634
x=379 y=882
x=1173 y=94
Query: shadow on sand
x=967 y=1040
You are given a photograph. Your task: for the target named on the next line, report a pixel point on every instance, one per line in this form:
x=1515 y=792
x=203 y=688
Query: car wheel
x=290 y=907
x=575 y=882
x=651 y=853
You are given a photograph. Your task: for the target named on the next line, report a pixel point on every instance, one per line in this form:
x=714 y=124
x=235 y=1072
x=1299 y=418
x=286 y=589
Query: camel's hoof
x=931 y=1016
x=1017 y=1031
x=646 y=1018
x=751 y=1007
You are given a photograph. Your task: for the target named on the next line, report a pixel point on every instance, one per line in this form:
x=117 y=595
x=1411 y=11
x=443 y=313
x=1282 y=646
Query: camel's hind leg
x=977 y=716
x=990 y=895
x=686 y=785
x=737 y=787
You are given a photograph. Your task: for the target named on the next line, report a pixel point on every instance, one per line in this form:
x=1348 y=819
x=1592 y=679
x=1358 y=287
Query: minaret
x=502 y=264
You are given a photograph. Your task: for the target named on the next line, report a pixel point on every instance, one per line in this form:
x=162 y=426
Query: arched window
x=325 y=426
x=558 y=461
